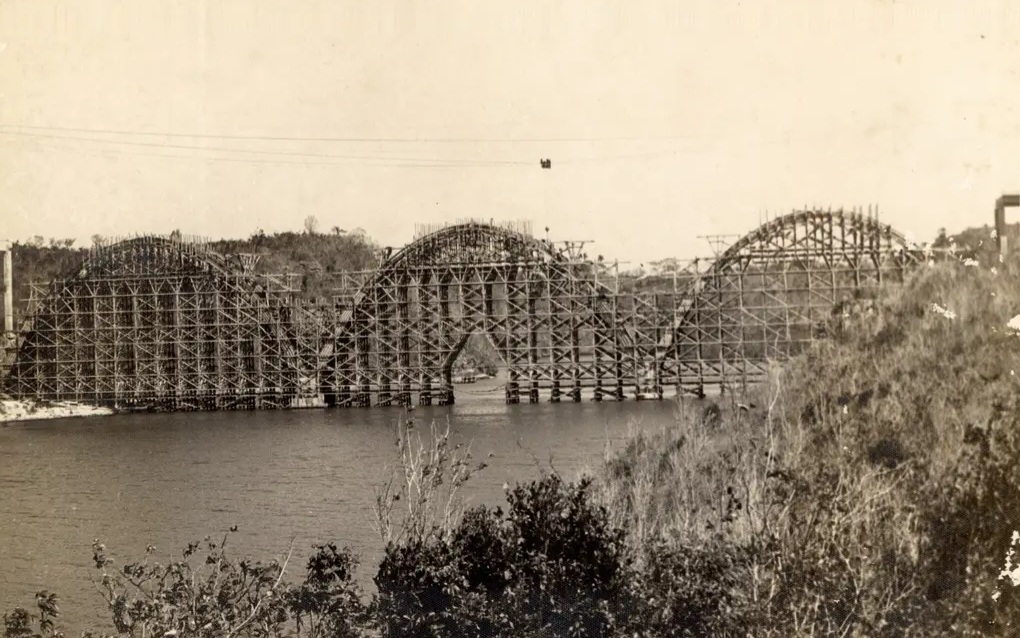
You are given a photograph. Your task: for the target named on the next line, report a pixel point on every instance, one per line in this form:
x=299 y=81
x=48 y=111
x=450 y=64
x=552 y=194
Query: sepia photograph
x=533 y=319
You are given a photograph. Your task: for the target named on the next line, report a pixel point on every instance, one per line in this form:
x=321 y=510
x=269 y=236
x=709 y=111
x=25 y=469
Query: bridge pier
x=446 y=394
x=384 y=397
x=425 y=395
x=344 y=396
x=513 y=392
x=446 y=397
x=404 y=393
x=364 y=397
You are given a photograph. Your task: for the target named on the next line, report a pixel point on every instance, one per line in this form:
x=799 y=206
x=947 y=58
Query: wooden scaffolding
x=162 y=324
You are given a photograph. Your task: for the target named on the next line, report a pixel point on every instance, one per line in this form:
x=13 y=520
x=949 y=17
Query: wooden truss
x=157 y=324
x=160 y=324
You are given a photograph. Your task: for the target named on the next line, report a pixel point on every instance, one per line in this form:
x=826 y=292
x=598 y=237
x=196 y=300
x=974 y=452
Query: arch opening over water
x=546 y=315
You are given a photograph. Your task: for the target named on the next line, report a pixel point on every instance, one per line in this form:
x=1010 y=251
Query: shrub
x=551 y=565
x=214 y=596
x=18 y=623
x=572 y=563
x=417 y=589
x=328 y=602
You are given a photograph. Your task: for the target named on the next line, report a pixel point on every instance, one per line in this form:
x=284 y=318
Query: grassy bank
x=873 y=490
x=870 y=488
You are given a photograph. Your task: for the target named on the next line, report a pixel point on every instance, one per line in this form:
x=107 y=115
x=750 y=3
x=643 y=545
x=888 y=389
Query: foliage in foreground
x=551 y=564
x=207 y=594
x=869 y=490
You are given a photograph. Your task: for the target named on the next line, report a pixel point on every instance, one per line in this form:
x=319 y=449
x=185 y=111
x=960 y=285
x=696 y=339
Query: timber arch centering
x=779 y=288
x=546 y=314
x=160 y=324
x=155 y=323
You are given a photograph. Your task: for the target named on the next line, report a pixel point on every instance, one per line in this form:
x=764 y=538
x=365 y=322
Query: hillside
x=38 y=261
x=869 y=490
x=315 y=257
x=977 y=242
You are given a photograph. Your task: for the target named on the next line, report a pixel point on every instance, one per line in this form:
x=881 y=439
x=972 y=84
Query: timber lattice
x=156 y=323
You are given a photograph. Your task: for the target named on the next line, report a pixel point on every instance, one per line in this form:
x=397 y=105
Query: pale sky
x=665 y=120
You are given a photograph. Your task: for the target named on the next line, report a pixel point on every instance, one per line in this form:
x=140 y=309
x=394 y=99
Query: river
x=307 y=475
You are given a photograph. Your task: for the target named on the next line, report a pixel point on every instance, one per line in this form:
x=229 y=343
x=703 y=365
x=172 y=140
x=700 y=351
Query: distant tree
x=258 y=238
x=176 y=235
x=311 y=224
x=97 y=240
x=942 y=240
x=666 y=266
x=338 y=231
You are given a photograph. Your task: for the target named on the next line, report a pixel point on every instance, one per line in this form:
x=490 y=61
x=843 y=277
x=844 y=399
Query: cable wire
x=381 y=140
x=51 y=141
x=225 y=149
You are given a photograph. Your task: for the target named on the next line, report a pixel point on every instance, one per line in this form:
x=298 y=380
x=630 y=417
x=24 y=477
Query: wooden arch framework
x=156 y=323
x=546 y=315
x=778 y=289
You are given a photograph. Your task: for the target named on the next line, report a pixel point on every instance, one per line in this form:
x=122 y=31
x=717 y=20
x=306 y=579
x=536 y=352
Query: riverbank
x=12 y=410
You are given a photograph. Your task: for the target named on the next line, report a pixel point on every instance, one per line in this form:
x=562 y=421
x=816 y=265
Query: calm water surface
x=306 y=475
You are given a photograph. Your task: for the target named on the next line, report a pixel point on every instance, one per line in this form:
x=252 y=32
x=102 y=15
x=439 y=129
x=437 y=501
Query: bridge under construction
x=162 y=324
